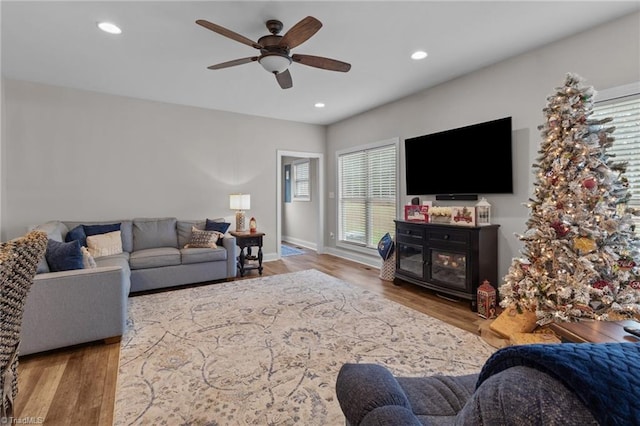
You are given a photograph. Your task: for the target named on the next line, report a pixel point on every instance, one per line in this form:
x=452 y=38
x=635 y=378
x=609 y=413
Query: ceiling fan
x=274 y=49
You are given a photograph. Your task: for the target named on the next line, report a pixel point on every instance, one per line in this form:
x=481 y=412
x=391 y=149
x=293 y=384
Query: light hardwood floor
x=76 y=386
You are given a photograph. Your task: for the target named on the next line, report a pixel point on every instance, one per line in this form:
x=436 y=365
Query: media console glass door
x=410 y=259
x=447 y=268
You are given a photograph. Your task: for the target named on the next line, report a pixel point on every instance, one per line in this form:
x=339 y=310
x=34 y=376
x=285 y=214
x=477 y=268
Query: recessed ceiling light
x=419 y=54
x=319 y=105
x=110 y=28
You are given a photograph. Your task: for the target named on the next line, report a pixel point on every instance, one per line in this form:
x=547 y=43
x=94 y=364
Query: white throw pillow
x=105 y=244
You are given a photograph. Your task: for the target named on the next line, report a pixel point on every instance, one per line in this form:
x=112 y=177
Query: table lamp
x=240 y=203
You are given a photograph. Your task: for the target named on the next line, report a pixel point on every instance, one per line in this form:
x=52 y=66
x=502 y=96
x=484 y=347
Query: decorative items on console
x=440 y=214
x=240 y=203
x=416 y=213
x=483 y=212
x=463 y=216
x=478 y=215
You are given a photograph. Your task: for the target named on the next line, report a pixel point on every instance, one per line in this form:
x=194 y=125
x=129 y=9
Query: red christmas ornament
x=589 y=183
x=601 y=284
x=560 y=228
x=626 y=263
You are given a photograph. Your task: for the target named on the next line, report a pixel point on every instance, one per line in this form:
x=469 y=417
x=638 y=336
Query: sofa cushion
x=120 y=259
x=105 y=244
x=63 y=256
x=154 y=232
x=203 y=239
x=154 y=258
x=54 y=229
x=184 y=230
x=77 y=233
x=199 y=255
x=43 y=266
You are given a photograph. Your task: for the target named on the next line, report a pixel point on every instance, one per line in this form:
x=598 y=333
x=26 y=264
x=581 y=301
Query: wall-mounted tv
x=461 y=163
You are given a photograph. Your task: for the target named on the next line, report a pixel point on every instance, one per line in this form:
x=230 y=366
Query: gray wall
x=78 y=155
x=299 y=218
x=607 y=56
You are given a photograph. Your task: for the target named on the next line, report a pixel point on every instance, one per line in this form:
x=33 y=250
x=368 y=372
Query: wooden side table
x=591 y=331
x=245 y=240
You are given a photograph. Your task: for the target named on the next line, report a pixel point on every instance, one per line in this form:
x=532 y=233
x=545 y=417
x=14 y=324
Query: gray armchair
x=562 y=384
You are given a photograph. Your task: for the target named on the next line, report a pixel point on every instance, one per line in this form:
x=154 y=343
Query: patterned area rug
x=289 y=251
x=267 y=351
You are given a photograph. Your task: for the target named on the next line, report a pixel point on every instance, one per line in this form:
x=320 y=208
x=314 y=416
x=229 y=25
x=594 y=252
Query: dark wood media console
x=452 y=260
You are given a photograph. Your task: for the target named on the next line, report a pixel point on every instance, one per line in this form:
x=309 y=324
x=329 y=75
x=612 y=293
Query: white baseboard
x=301 y=243
x=373 y=261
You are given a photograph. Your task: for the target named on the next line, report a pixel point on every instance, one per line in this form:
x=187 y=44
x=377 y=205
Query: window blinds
x=367 y=197
x=302 y=189
x=625 y=112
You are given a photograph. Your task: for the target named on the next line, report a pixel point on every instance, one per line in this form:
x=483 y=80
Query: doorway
x=318 y=177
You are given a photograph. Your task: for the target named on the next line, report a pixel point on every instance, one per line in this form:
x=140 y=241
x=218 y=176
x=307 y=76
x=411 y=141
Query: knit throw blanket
x=604 y=376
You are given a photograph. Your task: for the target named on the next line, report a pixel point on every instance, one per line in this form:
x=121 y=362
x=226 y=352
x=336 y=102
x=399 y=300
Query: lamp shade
x=240 y=201
x=274 y=62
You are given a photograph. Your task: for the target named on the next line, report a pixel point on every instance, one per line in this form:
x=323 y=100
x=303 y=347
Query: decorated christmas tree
x=580 y=256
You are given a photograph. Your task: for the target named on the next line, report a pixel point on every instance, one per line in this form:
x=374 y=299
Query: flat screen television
x=461 y=163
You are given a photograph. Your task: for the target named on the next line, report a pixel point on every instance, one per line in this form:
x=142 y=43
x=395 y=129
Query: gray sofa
x=72 y=307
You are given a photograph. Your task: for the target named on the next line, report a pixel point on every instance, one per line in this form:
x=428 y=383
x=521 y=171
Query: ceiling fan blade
x=233 y=63
x=320 y=62
x=284 y=79
x=228 y=33
x=300 y=32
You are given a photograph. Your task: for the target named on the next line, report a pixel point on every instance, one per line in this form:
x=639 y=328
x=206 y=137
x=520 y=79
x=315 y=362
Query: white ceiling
x=163 y=55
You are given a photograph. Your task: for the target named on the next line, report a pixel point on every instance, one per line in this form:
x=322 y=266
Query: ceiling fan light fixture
x=275 y=62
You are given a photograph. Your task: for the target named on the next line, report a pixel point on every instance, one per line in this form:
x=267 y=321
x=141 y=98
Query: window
x=301 y=184
x=624 y=108
x=367 y=193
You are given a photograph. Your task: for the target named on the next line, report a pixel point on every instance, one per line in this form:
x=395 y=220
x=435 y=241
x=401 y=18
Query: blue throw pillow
x=77 y=233
x=222 y=227
x=216 y=226
x=64 y=256
x=385 y=246
x=100 y=229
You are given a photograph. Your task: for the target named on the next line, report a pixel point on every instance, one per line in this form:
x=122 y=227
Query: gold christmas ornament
x=584 y=244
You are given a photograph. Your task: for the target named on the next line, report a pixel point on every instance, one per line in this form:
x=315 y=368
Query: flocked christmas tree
x=580 y=256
